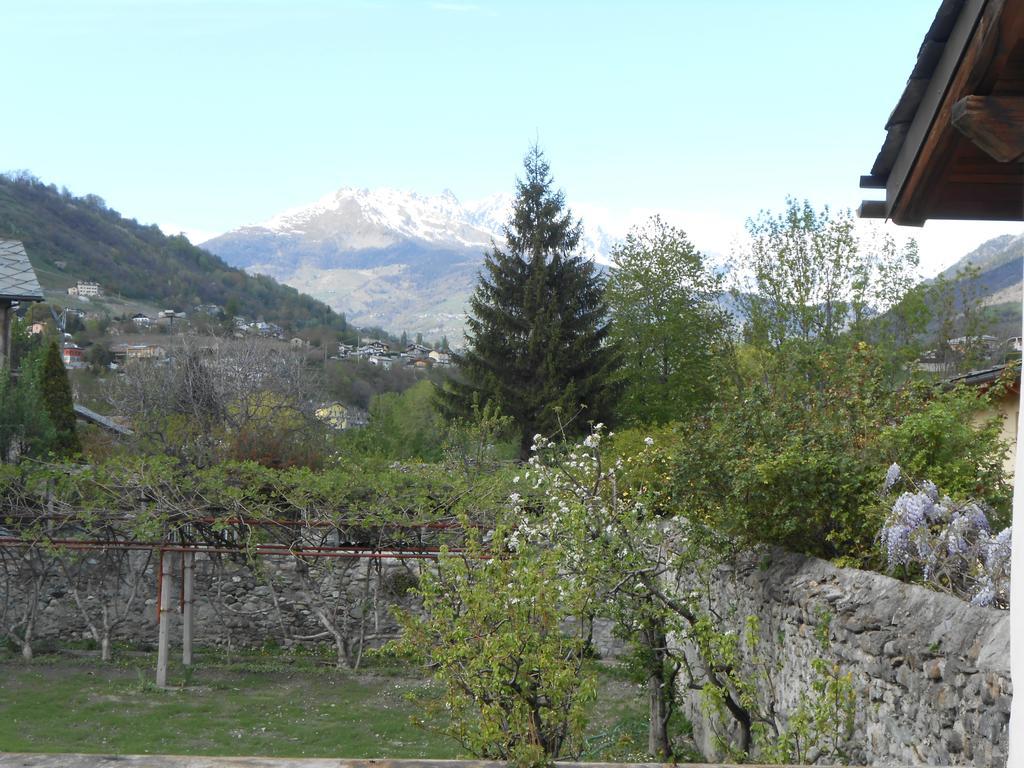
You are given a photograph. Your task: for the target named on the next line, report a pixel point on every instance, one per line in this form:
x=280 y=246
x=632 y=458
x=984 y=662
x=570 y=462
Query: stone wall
x=931 y=672
x=234 y=605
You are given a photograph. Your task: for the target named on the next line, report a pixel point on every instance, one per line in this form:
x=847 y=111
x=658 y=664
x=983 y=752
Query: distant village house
x=85 y=288
x=1004 y=401
x=125 y=352
x=339 y=416
x=72 y=356
x=441 y=359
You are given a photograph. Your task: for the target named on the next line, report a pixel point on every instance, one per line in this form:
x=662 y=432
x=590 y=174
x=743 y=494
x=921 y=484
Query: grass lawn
x=275 y=704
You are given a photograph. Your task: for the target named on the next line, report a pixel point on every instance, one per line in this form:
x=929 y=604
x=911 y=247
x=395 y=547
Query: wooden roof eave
x=921 y=139
x=946 y=124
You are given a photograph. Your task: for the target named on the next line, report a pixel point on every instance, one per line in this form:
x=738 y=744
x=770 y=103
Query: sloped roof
x=17 y=278
x=906 y=109
x=944 y=155
x=85 y=414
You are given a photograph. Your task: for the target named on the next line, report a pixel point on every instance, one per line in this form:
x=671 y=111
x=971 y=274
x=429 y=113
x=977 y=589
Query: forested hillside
x=71 y=238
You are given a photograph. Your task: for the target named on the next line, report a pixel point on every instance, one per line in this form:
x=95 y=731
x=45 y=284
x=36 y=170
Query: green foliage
x=954 y=440
x=824 y=401
x=55 y=397
x=799 y=458
x=789 y=461
x=25 y=428
x=491 y=630
x=668 y=328
x=275 y=433
x=806 y=275
x=137 y=261
x=355 y=382
x=477 y=444
x=406 y=425
x=957 y=312
x=537 y=322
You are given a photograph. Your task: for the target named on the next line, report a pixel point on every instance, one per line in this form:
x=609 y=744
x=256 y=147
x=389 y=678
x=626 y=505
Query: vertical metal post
x=164 y=617
x=188 y=573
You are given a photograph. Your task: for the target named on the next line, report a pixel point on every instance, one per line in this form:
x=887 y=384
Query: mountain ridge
x=71 y=238
x=384 y=256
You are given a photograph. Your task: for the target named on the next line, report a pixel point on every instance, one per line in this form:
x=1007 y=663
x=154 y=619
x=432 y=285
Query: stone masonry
x=931 y=671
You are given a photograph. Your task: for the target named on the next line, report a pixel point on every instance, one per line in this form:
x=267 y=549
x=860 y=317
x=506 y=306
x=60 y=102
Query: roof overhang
x=955 y=141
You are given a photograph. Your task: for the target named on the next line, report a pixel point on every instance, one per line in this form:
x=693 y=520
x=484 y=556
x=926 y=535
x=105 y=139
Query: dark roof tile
x=17 y=278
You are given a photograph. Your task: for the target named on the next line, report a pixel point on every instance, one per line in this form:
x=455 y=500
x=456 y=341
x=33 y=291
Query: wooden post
x=5 y=333
x=164 y=617
x=188 y=573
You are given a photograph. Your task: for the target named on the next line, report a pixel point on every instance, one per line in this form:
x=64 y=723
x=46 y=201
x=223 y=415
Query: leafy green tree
x=55 y=394
x=672 y=335
x=537 y=329
x=492 y=631
x=405 y=426
x=646 y=563
x=798 y=459
x=807 y=275
x=957 y=311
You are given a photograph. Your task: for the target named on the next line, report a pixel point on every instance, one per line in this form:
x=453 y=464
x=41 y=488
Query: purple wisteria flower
x=892 y=476
x=951 y=543
x=997 y=551
x=897 y=544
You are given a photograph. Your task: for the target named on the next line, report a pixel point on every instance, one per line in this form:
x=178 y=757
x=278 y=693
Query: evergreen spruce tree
x=25 y=428
x=537 y=322
x=55 y=393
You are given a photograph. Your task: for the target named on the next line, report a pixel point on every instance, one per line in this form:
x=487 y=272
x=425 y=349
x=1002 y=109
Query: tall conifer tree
x=55 y=392
x=538 y=321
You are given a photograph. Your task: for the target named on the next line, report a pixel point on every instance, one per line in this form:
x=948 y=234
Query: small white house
x=440 y=358
x=85 y=288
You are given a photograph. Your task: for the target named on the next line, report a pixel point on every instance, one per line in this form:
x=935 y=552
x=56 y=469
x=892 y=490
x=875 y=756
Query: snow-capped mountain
x=383 y=217
x=385 y=257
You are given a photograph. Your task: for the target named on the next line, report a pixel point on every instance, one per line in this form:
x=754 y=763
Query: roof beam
x=994 y=123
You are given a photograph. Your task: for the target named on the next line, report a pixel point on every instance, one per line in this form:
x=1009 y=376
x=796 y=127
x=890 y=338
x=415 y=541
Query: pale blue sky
x=203 y=116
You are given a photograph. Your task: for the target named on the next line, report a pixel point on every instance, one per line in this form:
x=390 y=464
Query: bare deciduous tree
x=247 y=399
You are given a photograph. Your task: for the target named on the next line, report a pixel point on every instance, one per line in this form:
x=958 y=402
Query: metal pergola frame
x=185 y=553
